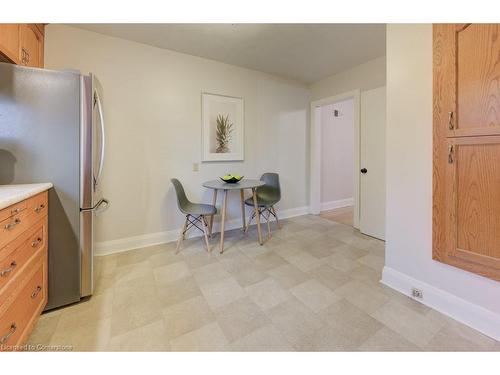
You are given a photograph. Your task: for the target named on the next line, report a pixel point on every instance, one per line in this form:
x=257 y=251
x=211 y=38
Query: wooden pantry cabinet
x=23 y=269
x=22 y=43
x=466 y=169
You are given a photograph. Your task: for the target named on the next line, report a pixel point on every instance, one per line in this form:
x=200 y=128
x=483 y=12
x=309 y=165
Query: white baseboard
x=150 y=239
x=472 y=315
x=325 y=206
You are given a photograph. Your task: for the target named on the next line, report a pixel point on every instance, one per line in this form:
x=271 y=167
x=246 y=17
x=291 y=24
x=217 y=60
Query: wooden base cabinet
x=22 y=44
x=23 y=269
x=466 y=171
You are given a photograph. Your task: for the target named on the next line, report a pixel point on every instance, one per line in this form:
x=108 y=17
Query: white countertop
x=11 y=194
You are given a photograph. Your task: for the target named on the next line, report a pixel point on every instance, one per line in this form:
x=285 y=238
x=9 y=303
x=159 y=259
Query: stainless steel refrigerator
x=52 y=130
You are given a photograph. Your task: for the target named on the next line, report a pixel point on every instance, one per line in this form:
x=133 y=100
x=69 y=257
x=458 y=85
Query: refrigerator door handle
x=103 y=136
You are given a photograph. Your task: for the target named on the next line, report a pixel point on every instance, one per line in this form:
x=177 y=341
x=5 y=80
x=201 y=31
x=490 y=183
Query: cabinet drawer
x=38 y=204
x=15 y=256
x=13 y=210
x=13 y=226
x=17 y=320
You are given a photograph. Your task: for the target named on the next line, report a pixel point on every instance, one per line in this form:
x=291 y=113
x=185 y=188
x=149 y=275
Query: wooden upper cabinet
x=9 y=42
x=466 y=170
x=31 y=43
x=22 y=44
x=478 y=80
x=468 y=64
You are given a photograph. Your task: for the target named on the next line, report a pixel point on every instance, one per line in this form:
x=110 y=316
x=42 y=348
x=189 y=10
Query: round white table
x=217 y=185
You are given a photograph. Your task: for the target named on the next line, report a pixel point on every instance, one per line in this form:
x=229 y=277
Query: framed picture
x=222 y=128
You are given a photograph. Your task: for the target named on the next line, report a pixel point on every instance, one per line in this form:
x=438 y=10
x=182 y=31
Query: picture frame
x=223 y=128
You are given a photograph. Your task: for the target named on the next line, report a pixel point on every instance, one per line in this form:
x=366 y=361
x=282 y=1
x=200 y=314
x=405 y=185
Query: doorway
x=367 y=160
x=336 y=124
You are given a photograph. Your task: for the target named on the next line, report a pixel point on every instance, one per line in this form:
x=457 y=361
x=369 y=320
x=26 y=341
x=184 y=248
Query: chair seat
x=261 y=202
x=199 y=209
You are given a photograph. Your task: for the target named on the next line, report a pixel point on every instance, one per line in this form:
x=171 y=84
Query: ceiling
x=304 y=52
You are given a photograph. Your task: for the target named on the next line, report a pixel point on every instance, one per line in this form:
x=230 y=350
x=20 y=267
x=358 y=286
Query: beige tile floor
x=314 y=286
x=341 y=215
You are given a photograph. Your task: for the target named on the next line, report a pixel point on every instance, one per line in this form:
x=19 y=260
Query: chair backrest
x=182 y=200
x=271 y=191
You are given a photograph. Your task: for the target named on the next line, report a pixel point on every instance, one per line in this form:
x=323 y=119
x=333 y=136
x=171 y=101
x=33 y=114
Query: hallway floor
x=314 y=286
x=341 y=215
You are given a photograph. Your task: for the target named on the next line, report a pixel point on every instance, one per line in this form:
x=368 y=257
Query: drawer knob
x=36 y=291
x=6 y=271
x=13 y=224
x=15 y=211
x=37 y=242
x=6 y=337
x=39 y=208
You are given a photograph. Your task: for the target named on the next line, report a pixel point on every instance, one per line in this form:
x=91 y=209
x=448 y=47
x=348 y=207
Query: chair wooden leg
x=181 y=235
x=276 y=217
x=205 y=231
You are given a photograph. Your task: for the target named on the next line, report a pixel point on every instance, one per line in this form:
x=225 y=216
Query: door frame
x=315 y=152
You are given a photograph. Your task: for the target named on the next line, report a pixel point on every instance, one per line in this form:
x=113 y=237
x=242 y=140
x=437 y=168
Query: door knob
x=364 y=170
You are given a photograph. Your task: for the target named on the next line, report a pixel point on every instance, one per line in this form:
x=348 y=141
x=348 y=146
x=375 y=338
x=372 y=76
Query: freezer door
x=87 y=224
x=87 y=244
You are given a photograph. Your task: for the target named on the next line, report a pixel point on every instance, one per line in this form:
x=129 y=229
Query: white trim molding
x=332 y=205
x=315 y=152
x=472 y=315
x=150 y=239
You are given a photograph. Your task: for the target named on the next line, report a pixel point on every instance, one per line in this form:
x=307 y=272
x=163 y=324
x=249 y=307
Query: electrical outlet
x=417 y=293
x=195 y=167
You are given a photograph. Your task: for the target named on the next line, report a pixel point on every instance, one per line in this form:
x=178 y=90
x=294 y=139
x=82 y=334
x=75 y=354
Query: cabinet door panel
x=478 y=200
x=473 y=202
x=31 y=43
x=478 y=79
x=9 y=41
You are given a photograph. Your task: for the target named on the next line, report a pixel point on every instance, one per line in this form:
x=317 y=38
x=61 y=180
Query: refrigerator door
x=99 y=140
x=86 y=134
x=93 y=142
x=40 y=142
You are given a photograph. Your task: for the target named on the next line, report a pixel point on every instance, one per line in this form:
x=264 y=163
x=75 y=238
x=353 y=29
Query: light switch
x=195 y=167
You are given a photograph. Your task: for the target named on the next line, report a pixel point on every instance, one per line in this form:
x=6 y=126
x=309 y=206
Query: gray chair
x=195 y=213
x=267 y=196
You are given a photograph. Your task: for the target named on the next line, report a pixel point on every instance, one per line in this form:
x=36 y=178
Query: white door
x=372 y=163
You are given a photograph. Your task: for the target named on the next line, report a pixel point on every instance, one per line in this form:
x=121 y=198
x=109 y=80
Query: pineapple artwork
x=223 y=134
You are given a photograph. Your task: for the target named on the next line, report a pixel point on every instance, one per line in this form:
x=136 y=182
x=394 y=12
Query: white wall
x=152 y=100
x=469 y=298
x=337 y=154
x=364 y=77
